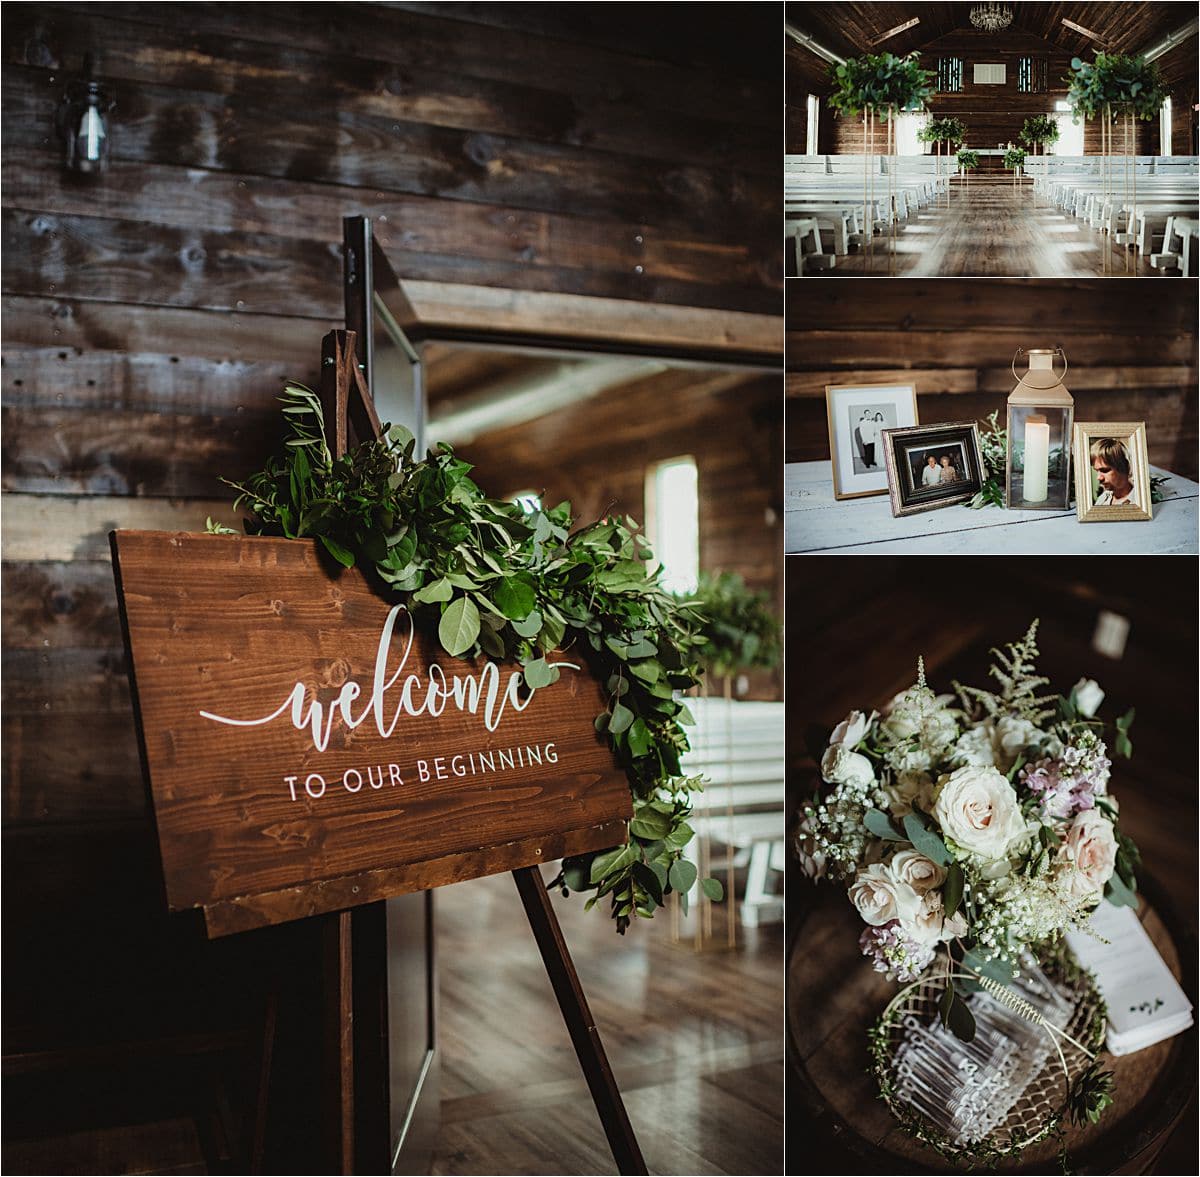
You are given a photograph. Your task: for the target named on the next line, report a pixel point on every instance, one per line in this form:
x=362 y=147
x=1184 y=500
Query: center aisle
x=989 y=229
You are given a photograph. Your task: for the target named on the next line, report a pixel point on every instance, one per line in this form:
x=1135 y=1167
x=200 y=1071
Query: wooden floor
x=695 y=1040
x=989 y=229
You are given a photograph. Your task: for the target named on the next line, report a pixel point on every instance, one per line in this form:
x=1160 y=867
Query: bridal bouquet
x=978 y=824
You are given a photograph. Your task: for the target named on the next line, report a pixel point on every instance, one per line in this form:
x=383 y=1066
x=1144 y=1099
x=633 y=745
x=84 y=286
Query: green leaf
x=1118 y=894
x=925 y=840
x=621 y=718
x=682 y=876
x=515 y=597
x=680 y=836
x=434 y=592
x=639 y=738
x=612 y=862
x=539 y=673
x=649 y=880
x=575 y=873
x=529 y=627
x=952 y=891
x=459 y=626
x=713 y=889
x=944 y=1003
x=960 y=1020
x=342 y=555
x=650 y=825
x=879 y=824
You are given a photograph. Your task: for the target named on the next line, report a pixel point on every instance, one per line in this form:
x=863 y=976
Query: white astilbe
x=1015 y=670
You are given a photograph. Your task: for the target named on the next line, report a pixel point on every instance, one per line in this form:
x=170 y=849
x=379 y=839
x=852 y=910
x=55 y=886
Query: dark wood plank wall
x=150 y=316
x=1131 y=359
x=729 y=425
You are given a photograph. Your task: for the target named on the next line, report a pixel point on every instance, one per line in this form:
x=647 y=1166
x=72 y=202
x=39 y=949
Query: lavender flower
x=894 y=954
x=1071 y=783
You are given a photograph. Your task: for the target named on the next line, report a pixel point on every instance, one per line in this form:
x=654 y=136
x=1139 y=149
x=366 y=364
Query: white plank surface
x=816 y=523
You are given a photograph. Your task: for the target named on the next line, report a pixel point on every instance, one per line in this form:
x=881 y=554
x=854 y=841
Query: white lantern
x=1040 y=412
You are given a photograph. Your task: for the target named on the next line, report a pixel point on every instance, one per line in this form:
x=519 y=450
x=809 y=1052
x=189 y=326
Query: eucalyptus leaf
x=459 y=626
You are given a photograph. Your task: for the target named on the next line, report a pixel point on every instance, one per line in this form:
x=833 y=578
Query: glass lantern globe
x=1040 y=413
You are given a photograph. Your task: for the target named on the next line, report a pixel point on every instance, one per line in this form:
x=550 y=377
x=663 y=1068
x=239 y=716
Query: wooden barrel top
x=833 y=996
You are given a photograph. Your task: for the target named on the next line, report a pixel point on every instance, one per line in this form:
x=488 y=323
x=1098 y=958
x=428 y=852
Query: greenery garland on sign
x=511 y=585
x=1124 y=83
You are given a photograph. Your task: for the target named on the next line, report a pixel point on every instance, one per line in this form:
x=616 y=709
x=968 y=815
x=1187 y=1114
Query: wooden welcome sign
x=308 y=750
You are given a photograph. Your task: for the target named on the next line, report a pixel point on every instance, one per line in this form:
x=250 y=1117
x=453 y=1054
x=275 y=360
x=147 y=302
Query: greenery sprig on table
x=510 y=585
x=967 y=160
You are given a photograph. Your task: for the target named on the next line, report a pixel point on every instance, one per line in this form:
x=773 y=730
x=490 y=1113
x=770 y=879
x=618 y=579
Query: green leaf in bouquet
x=925 y=839
x=682 y=876
x=960 y=1020
x=879 y=824
x=952 y=891
x=713 y=889
x=1122 y=744
x=1118 y=894
x=998 y=970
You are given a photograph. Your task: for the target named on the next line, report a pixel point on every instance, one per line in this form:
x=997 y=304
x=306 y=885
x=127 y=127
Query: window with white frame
x=908 y=125
x=813 y=126
x=1164 y=127
x=673 y=521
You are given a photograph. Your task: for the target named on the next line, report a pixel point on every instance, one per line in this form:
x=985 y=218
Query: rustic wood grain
x=231 y=625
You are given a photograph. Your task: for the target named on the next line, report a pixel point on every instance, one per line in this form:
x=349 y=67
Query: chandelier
x=991 y=17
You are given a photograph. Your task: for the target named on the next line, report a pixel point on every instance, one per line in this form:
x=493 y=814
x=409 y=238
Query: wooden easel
x=347 y=404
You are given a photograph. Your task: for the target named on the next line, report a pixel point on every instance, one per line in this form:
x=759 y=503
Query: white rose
x=978 y=809
x=1010 y=737
x=852 y=729
x=1088 y=697
x=1088 y=856
x=930 y=926
x=840 y=766
x=881 y=898
x=920 y=873
x=975 y=747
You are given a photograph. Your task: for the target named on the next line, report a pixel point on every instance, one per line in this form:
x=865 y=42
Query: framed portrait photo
x=1112 y=472
x=858 y=415
x=931 y=466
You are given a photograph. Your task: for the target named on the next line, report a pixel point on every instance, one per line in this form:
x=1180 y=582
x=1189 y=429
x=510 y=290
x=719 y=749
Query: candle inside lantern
x=1037 y=459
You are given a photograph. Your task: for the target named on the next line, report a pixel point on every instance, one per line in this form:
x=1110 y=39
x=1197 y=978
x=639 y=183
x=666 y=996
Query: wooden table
x=815 y=522
x=833 y=995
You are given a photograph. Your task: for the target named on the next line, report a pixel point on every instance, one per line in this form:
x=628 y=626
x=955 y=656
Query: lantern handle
x=1053 y=351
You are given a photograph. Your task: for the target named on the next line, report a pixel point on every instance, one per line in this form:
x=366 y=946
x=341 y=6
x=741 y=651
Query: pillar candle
x=1037 y=459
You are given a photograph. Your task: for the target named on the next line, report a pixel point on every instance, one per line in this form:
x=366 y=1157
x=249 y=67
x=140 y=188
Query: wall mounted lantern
x=82 y=121
x=1040 y=412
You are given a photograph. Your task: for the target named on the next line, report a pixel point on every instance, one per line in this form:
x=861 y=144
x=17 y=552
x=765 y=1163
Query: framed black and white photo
x=1112 y=472
x=930 y=466
x=858 y=416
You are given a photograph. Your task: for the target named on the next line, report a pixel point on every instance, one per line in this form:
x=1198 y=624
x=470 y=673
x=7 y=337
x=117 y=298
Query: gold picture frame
x=1120 y=448
x=894 y=403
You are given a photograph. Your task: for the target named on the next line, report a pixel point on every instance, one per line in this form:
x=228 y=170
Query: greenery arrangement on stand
x=509 y=585
x=880 y=82
x=943 y=130
x=1014 y=158
x=740 y=632
x=1122 y=83
x=1039 y=130
x=967 y=160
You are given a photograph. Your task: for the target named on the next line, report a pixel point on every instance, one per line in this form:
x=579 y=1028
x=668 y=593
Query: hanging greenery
x=1014 y=158
x=1124 y=83
x=1039 y=129
x=943 y=130
x=880 y=82
x=739 y=630
x=499 y=582
x=968 y=160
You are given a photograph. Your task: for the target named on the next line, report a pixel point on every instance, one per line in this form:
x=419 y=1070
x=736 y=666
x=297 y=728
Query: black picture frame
x=952 y=445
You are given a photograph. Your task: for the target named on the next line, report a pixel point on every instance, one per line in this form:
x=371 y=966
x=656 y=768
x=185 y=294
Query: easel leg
x=582 y=1027
x=339 y=1041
